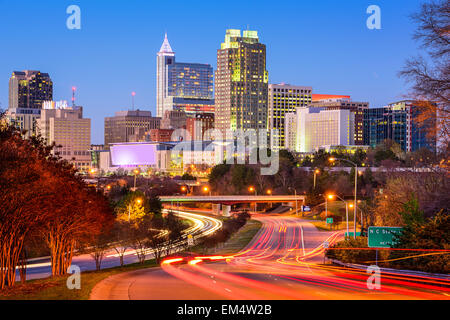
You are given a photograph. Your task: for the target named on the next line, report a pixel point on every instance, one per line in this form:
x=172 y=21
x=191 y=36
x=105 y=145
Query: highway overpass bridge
x=225 y=202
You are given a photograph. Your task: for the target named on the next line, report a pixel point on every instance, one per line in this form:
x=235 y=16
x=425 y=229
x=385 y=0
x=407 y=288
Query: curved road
x=201 y=226
x=277 y=264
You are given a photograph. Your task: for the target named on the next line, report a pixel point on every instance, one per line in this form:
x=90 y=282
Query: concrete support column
x=216 y=208
x=226 y=209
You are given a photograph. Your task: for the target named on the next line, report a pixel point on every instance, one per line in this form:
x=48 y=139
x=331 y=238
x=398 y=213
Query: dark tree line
x=42 y=200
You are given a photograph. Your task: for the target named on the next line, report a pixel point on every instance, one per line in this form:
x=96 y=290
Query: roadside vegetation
x=235 y=242
x=55 y=288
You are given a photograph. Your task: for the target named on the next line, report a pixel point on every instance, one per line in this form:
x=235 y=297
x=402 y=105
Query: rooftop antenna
x=132 y=100
x=73 y=96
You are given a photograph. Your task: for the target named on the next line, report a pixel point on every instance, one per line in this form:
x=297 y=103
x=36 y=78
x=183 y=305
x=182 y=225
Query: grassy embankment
x=56 y=288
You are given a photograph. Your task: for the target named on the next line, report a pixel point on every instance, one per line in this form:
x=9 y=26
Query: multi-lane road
x=201 y=226
x=283 y=261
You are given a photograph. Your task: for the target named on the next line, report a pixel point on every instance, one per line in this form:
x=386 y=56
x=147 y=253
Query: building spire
x=166 y=48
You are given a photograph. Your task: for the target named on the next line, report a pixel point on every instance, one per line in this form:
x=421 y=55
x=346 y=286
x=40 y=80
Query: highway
x=283 y=261
x=201 y=226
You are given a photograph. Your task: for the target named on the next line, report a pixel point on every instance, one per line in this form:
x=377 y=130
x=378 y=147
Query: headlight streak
x=203 y=226
x=272 y=252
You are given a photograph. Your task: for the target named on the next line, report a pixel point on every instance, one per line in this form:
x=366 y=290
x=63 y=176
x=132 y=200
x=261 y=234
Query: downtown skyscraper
x=283 y=99
x=29 y=89
x=241 y=82
x=27 y=92
x=182 y=86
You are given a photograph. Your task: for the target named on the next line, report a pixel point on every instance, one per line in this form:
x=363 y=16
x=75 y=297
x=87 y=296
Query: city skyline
x=105 y=82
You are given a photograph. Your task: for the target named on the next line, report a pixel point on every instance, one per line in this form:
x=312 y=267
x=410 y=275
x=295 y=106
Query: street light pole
x=356 y=190
x=356 y=187
x=316 y=171
x=346 y=213
x=296 y=205
x=256 y=205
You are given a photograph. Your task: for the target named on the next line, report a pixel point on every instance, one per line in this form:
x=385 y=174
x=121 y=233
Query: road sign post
x=326 y=244
x=350 y=234
x=190 y=240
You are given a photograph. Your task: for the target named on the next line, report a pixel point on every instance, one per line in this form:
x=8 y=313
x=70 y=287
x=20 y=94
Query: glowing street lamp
x=333 y=159
x=136 y=172
x=137 y=201
x=328 y=196
x=269 y=192
x=253 y=189
x=316 y=172
x=206 y=189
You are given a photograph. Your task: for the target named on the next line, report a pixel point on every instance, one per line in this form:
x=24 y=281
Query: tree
x=430 y=76
x=134 y=206
x=241 y=177
x=418 y=233
x=98 y=246
x=155 y=205
x=121 y=237
x=188 y=176
x=23 y=189
x=286 y=154
x=432 y=190
x=138 y=238
x=43 y=197
x=175 y=228
x=217 y=172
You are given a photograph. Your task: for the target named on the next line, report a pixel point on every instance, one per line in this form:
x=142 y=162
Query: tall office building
x=312 y=128
x=129 y=126
x=241 y=82
x=27 y=92
x=284 y=98
x=66 y=127
x=334 y=102
x=399 y=121
x=29 y=89
x=182 y=86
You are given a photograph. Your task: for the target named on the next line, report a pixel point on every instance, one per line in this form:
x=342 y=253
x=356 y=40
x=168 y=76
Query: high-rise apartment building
x=66 y=127
x=27 y=91
x=283 y=99
x=241 y=82
x=312 y=128
x=330 y=102
x=129 y=126
x=182 y=86
x=400 y=122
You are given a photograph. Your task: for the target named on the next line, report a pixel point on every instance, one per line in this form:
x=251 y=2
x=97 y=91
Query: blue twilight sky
x=319 y=43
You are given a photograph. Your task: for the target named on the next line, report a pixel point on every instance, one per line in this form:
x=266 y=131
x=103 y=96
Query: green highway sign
x=329 y=220
x=351 y=234
x=383 y=237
